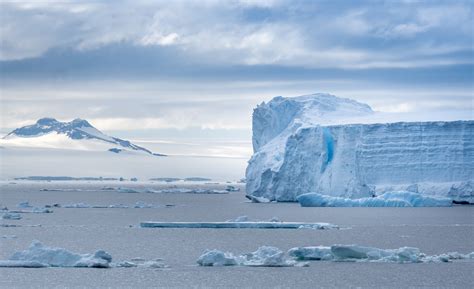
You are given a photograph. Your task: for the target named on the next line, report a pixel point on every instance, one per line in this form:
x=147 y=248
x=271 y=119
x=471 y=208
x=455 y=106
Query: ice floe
x=11 y=216
x=38 y=255
x=264 y=256
x=358 y=253
x=239 y=225
x=389 y=199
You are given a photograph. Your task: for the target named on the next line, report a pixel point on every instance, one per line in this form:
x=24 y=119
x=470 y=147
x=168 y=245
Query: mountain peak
x=77 y=129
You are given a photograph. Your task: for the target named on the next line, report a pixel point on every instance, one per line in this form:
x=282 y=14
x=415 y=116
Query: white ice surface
x=264 y=256
x=38 y=255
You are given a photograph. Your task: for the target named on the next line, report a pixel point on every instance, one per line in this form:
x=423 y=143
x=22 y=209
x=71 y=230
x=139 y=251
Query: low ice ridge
x=371 y=254
x=389 y=199
x=38 y=255
x=265 y=256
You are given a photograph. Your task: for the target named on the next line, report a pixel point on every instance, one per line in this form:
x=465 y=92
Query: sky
x=194 y=70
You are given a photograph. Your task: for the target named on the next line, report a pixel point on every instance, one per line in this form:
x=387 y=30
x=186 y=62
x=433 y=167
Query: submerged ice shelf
x=239 y=225
x=390 y=199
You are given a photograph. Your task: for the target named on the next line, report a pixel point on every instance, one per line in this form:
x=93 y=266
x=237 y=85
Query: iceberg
x=389 y=199
x=38 y=255
x=342 y=148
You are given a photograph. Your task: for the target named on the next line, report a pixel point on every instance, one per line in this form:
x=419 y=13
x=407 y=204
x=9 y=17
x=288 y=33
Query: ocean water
x=433 y=230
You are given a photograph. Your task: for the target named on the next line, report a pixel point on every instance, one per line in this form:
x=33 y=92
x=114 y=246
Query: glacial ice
x=240 y=225
x=38 y=255
x=265 y=256
x=339 y=147
x=372 y=254
x=217 y=258
x=389 y=199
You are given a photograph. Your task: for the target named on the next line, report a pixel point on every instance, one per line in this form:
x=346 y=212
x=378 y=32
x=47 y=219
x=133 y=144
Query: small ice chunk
x=59 y=257
x=311 y=253
x=255 y=199
x=127 y=190
x=275 y=219
x=319 y=226
x=240 y=219
x=11 y=216
x=126 y=264
x=77 y=206
x=232 y=189
x=24 y=205
x=143 y=205
x=217 y=258
x=154 y=264
x=118 y=206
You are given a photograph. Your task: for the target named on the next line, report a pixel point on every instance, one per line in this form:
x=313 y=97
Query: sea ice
x=389 y=199
x=38 y=255
x=239 y=225
x=371 y=254
x=11 y=216
x=217 y=258
x=264 y=256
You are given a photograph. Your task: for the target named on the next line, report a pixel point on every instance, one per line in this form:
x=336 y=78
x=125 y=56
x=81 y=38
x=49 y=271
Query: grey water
x=433 y=230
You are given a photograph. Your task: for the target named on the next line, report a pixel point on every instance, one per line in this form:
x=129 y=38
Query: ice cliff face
x=300 y=148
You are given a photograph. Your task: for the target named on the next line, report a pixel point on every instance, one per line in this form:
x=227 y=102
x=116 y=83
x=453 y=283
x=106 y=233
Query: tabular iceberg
x=339 y=147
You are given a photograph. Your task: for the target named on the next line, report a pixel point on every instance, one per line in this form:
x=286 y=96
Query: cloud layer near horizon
x=206 y=64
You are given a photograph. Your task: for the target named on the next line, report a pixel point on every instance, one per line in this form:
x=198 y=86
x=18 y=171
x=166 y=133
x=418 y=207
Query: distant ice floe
x=265 y=256
x=137 y=205
x=255 y=199
x=11 y=216
x=389 y=199
x=240 y=224
x=356 y=253
x=38 y=256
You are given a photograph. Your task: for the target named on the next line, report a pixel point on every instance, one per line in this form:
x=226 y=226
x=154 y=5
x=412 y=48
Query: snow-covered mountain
x=76 y=134
x=339 y=147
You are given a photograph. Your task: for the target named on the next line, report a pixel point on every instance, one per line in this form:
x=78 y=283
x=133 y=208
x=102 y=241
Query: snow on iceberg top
x=272 y=118
x=51 y=133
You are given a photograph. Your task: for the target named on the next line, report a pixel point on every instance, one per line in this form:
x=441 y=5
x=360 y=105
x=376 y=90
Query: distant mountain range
x=76 y=134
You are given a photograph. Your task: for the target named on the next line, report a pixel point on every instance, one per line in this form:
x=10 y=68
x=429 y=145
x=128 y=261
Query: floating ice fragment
x=311 y=253
x=265 y=256
x=217 y=258
x=77 y=206
x=42 y=256
x=11 y=216
x=240 y=219
x=255 y=199
x=24 y=205
x=238 y=225
x=371 y=254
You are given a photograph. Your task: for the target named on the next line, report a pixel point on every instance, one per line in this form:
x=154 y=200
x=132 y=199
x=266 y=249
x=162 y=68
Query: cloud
x=290 y=33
